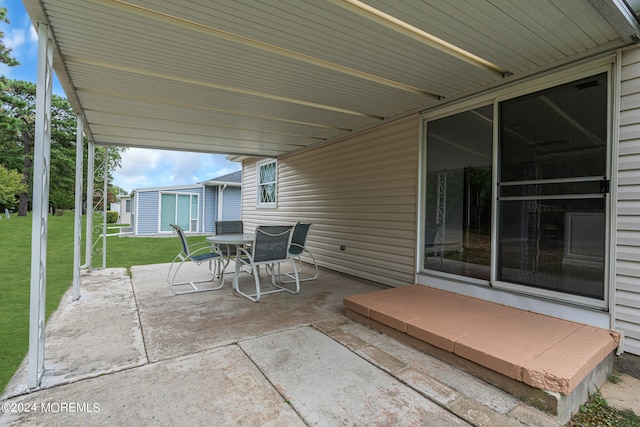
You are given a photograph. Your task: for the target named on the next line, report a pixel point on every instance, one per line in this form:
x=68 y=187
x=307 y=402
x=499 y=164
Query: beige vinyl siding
x=627 y=283
x=360 y=192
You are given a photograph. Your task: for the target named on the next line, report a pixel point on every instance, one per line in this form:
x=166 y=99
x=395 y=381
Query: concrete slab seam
x=286 y=399
x=135 y=301
x=403 y=381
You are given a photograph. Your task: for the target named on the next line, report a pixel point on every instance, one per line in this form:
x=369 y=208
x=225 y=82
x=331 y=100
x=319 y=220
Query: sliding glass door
x=552 y=188
x=520 y=200
x=458 y=193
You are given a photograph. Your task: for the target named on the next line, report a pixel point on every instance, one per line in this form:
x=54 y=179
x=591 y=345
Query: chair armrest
x=244 y=253
x=201 y=247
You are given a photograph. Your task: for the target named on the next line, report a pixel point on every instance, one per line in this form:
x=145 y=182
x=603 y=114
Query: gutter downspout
x=221 y=201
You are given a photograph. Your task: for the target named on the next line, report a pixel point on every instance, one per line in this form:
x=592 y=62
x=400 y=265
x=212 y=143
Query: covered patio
x=131 y=352
x=301 y=84
x=141 y=355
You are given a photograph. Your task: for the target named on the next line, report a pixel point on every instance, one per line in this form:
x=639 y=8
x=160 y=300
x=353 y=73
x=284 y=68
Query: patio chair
x=228 y=227
x=198 y=253
x=296 y=249
x=270 y=247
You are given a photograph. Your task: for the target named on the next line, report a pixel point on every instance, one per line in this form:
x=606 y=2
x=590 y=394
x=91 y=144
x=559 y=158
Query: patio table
x=231 y=239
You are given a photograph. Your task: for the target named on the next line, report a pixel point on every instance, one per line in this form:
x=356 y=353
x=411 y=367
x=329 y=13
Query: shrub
x=112 y=217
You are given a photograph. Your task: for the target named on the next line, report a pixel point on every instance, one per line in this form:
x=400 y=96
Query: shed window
x=180 y=209
x=267 y=183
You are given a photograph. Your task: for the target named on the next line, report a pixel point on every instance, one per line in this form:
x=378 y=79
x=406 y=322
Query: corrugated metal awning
x=264 y=78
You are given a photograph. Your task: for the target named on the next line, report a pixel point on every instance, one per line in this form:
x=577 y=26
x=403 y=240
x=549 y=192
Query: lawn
x=15 y=274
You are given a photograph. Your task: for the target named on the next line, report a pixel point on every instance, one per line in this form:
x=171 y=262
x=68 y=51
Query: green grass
x=15 y=275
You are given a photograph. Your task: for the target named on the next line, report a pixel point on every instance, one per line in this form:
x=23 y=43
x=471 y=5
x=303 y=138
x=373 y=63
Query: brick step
x=564 y=360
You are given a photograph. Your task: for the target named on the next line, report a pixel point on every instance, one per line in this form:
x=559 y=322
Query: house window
x=180 y=209
x=267 y=183
x=127 y=206
x=520 y=200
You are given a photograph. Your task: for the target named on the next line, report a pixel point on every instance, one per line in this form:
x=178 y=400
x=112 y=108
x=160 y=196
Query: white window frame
x=191 y=213
x=259 y=202
x=536 y=83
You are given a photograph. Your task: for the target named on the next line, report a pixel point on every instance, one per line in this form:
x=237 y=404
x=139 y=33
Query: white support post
x=88 y=259
x=105 y=197
x=77 y=231
x=40 y=212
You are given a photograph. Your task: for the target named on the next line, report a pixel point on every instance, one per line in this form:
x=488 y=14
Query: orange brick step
x=542 y=351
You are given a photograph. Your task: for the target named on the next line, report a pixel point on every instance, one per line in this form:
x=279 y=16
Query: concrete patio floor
x=129 y=352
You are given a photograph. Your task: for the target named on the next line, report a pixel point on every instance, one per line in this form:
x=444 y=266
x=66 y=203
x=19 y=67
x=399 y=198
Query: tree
x=17 y=131
x=17 y=135
x=10 y=186
x=118 y=191
x=114 y=162
x=63 y=154
x=5 y=52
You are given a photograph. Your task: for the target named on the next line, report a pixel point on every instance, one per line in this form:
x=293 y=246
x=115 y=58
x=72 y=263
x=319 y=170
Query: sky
x=141 y=168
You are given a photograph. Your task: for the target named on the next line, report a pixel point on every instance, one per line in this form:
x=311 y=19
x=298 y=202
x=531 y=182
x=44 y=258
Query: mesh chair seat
x=198 y=253
x=204 y=257
x=296 y=250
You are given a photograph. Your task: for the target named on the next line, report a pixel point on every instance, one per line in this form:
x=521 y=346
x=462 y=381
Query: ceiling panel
x=270 y=77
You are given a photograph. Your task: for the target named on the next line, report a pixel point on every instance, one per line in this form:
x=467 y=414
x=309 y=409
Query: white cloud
x=143 y=168
x=22 y=39
x=14 y=38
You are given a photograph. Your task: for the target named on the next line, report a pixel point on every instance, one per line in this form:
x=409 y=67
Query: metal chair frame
x=270 y=247
x=296 y=249
x=197 y=254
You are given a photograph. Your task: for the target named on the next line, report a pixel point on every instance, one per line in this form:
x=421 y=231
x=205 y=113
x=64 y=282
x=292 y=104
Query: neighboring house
x=125 y=210
x=194 y=207
x=123 y=207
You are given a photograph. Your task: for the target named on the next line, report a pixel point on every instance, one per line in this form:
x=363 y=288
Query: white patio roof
x=265 y=78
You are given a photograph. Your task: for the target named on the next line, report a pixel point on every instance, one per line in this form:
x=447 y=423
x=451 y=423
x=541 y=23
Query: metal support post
x=88 y=259
x=98 y=197
x=40 y=212
x=105 y=199
x=77 y=231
